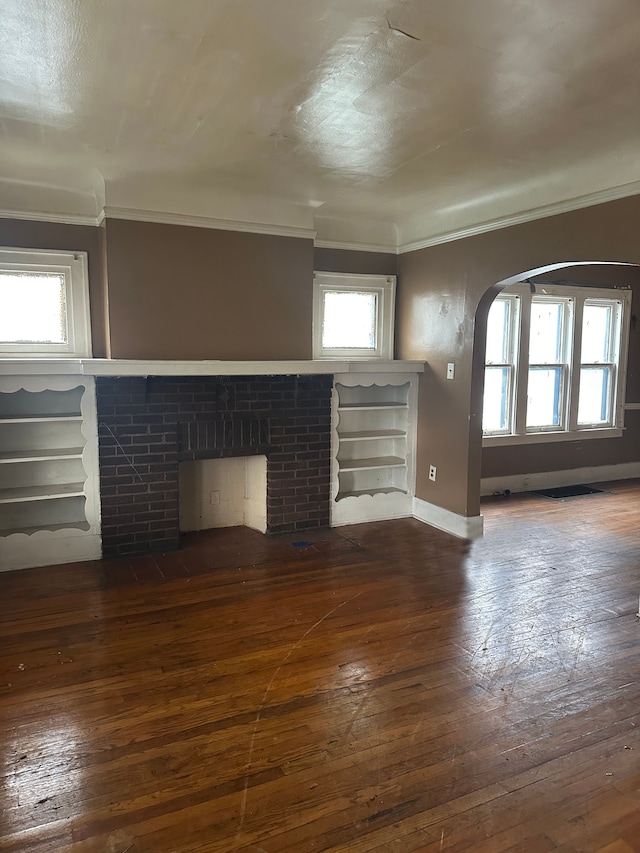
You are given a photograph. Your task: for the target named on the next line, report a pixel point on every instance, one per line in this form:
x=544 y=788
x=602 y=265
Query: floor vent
x=568 y=492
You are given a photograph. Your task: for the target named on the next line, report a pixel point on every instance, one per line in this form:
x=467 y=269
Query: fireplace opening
x=228 y=492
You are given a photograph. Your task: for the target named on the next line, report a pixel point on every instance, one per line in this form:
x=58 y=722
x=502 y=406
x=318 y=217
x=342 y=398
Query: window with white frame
x=44 y=303
x=353 y=315
x=555 y=363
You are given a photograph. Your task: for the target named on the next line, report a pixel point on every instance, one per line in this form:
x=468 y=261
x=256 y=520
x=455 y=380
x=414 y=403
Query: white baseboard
x=555 y=479
x=459 y=525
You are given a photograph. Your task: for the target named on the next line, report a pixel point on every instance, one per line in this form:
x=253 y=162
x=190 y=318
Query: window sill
x=551 y=437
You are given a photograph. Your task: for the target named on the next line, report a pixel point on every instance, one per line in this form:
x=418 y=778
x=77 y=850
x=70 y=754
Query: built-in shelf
x=368 y=435
x=385 y=491
x=46 y=492
x=46 y=528
x=37 y=419
x=373 y=453
x=376 y=462
x=364 y=407
x=48 y=468
x=40 y=455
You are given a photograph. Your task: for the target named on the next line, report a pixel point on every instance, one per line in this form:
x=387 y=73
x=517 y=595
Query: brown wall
x=440 y=290
x=345 y=260
x=23 y=234
x=177 y=292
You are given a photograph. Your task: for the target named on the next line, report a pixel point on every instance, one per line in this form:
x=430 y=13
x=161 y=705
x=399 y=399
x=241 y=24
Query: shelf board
x=364 y=407
x=41 y=493
x=40 y=455
x=41 y=419
x=384 y=491
x=375 y=462
x=81 y=524
x=369 y=435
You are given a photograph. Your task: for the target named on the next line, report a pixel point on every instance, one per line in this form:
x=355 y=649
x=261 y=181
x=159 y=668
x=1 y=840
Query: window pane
x=349 y=320
x=596 y=325
x=544 y=396
x=498 y=332
x=32 y=308
x=495 y=412
x=545 y=341
x=593 y=403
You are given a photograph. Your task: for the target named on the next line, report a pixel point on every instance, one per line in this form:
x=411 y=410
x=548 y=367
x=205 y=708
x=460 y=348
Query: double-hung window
x=501 y=364
x=44 y=303
x=353 y=315
x=599 y=362
x=555 y=364
x=549 y=363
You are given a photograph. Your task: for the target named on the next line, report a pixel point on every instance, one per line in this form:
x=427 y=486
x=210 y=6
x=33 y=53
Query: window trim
x=580 y=296
x=384 y=286
x=73 y=266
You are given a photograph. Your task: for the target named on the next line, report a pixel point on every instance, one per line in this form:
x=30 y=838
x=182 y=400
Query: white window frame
x=576 y=298
x=73 y=267
x=384 y=287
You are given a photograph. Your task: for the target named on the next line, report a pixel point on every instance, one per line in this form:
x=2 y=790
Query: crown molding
x=386 y=248
x=554 y=209
x=141 y=215
x=163 y=218
x=58 y=218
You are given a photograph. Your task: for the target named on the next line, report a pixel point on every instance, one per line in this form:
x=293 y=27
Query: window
x=353 y=316
x=499 y=378
x=555 y=364
x=44 y=303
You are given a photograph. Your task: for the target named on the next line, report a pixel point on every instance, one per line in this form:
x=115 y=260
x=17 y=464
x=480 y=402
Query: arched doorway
x=552 y=458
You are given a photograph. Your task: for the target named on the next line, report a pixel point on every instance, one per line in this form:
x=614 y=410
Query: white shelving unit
x=49 y=505
x=374 y=423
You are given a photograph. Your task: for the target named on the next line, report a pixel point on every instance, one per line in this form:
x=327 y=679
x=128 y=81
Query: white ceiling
x=372 y=121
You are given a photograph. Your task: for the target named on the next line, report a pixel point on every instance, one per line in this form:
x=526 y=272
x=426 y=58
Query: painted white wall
x=223 y=493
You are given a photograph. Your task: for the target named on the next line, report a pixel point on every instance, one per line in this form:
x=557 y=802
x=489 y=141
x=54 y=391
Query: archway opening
x=547 y=453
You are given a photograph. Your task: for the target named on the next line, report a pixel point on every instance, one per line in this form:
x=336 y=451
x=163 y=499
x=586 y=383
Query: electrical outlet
x=214 y=498
x=432 y=472
x=451 y=369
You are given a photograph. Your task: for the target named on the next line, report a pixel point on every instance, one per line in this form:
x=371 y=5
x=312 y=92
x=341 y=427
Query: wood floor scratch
x=327 y=615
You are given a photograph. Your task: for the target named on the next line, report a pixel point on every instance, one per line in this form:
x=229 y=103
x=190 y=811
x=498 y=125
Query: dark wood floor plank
x=387 y=688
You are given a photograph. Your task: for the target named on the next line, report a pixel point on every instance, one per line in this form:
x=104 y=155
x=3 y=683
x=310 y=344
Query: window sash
x=607 y=395
x=503 y=399
x=72 y=268
x=348 y=304
x=382 y=287
x=558 y=397
x=509 y=350
x=560 y=365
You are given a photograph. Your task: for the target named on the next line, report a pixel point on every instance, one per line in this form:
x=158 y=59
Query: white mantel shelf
x=136 y=367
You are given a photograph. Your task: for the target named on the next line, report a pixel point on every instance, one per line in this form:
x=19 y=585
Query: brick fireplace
x=148 y=425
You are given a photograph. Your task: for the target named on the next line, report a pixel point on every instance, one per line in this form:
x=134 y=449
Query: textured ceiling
x=377 y=122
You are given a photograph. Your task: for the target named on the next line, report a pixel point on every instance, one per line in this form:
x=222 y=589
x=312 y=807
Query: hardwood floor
x=384 y=688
